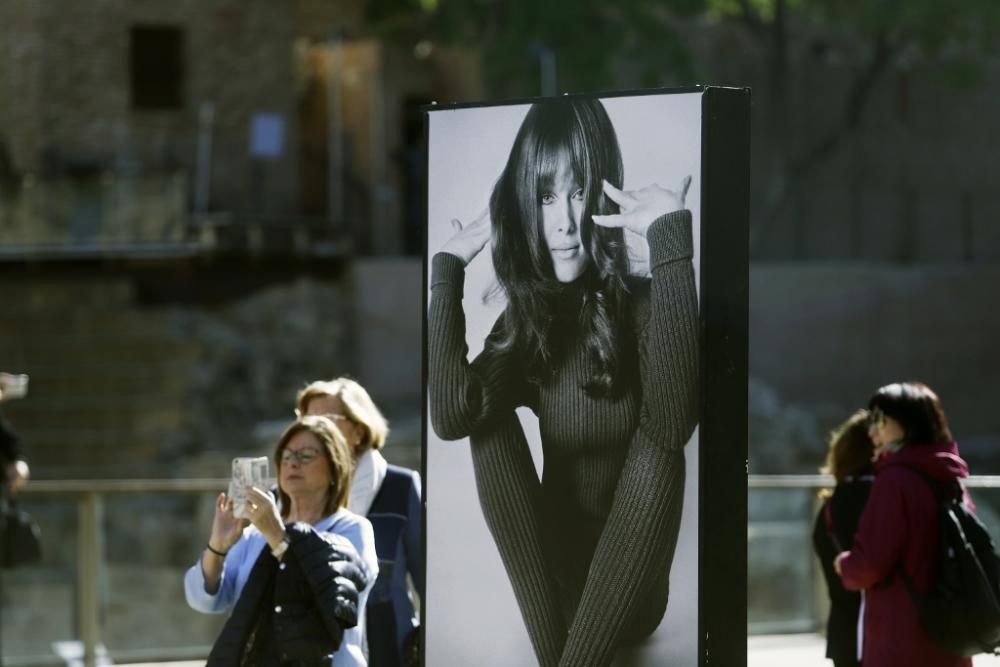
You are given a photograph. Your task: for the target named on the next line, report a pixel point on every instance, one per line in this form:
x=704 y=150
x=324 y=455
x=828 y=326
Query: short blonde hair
x=338 y=455
x=360 y=407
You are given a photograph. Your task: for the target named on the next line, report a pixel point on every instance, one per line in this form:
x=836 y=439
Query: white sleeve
x=194 y=582
x=367 y=550
x=360 y=534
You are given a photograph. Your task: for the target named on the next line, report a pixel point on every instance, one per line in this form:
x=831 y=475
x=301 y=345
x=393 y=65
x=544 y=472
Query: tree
x=601 y=46
x=946 y=40
x=596 y=45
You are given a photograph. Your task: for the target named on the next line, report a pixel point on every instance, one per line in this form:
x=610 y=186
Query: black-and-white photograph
x=562 y=349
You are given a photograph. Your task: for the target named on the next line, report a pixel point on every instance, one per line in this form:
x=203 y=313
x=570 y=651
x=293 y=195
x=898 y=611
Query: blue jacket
x=396 y=517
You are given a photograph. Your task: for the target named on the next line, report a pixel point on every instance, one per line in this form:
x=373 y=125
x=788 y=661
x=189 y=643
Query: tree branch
x=799 y=168
x=750 y=17
x=857 y=99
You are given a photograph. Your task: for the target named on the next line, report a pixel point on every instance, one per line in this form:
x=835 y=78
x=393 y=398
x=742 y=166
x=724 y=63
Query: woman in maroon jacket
x=898 y=528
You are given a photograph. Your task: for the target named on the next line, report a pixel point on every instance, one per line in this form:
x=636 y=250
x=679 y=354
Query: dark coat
x=846 y=504
x=395 y=515
x=10 y=444
x=899 y=528
x=295 y=610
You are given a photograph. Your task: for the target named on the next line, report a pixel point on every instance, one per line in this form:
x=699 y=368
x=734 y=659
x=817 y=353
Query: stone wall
x=66 y=66
x=120 y=387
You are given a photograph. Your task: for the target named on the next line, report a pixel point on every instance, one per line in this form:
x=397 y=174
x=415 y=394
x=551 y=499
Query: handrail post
x=88 y=573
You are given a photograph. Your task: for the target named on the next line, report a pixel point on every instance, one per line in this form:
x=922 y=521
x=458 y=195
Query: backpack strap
x=940 y=492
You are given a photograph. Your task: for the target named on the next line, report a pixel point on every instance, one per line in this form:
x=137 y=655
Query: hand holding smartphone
x=247 y=472
x=13 y=386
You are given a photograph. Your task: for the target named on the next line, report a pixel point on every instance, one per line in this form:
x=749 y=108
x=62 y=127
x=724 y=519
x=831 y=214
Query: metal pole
x=335 y=147
x=88 y=572
x=203 y=167
x=384 y=240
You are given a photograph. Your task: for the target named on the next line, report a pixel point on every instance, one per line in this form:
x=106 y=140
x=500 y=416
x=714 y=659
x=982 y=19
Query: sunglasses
x=876 y=419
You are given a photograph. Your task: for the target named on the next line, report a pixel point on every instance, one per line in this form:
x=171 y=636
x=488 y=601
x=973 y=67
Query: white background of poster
x=471 y=614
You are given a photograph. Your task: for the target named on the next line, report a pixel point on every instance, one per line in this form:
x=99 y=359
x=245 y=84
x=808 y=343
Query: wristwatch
x=280 y=550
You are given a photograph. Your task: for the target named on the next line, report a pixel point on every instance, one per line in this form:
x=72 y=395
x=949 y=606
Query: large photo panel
x=563 y=351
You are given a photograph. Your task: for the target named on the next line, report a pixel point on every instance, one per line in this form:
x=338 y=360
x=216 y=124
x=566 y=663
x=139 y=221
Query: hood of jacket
x=938 y=461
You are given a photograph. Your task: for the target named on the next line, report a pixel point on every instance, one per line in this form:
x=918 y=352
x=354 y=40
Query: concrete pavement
x=806 y=650
x=798 y=650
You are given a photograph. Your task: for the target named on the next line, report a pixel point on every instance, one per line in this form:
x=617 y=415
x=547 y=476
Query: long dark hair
x=579 y=131
x=917 y=409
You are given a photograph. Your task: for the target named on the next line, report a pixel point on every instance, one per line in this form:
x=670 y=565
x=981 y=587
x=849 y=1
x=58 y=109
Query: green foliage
x=929 y=24
x=600 y=45
x=589 y=39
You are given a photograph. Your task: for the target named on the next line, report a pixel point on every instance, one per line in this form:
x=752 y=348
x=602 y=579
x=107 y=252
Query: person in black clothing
x=849 y=460
x=15 y=467
x=606 y=360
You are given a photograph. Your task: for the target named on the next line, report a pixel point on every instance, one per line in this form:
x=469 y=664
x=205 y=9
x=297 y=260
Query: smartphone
x=14 y=386
x=247 y=472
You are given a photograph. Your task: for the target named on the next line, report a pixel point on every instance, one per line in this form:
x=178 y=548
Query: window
x=156 y=60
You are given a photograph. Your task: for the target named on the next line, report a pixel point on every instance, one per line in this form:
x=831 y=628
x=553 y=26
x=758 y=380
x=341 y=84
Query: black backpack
x=961 y=611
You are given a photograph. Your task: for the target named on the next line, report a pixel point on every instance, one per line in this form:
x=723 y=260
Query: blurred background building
x=203 y=205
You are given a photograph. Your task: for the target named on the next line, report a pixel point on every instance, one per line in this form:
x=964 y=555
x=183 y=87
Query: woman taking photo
x=389 y=496
x=299 y=575
x=608 y=363
x=898 y=533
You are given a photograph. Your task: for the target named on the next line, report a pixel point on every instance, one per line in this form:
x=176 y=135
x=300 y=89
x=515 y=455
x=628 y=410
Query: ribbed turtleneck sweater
x=588 y=548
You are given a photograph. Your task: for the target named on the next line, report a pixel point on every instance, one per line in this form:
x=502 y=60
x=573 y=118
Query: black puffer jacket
x=295 y=610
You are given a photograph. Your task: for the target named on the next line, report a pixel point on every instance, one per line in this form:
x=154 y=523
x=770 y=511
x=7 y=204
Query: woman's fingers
x=609 y=220
x=483 y=217
x=619 y=197
x=469 y=239
x=685 y=186
x=256 y=497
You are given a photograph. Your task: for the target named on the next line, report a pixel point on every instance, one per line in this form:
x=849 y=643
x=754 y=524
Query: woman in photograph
x=849 y=460
x=607 y=361
x=299 y=575
x=898 y=533
x=389 y=496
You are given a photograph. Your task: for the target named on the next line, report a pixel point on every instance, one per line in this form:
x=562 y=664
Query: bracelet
x=221 y=554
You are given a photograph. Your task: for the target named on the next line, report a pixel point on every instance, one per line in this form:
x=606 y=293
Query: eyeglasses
x=876 y=419
x=332 y=416
x=336 y=417
x=303 y=457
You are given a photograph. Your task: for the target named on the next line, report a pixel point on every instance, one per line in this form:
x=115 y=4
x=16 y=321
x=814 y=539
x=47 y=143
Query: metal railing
x=787 y=592
x=89 y=496
x=825 y=481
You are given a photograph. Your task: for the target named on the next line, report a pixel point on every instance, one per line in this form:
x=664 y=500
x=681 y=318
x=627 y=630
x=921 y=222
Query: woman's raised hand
x=263 y=512
x=639 y=208
x=469 y=240
x=226 y=528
